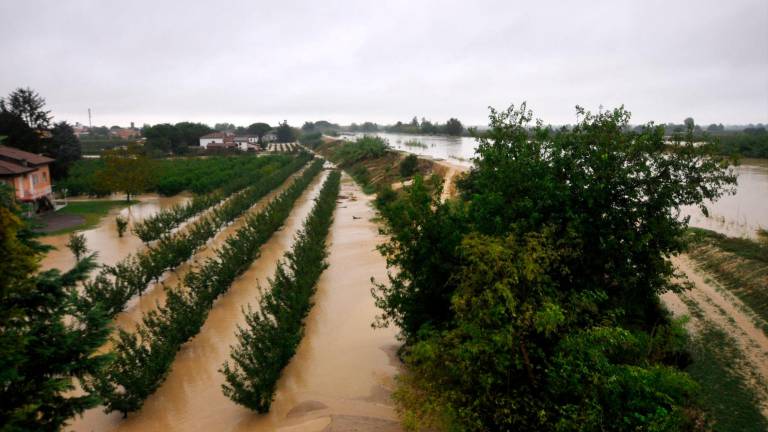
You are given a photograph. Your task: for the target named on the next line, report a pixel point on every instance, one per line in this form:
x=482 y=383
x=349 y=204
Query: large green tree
x=127 y=170
x=454 y=127
x=48 y=336
x=285 y=133
x=531 y=302
x=64 y=146
x=29 y=106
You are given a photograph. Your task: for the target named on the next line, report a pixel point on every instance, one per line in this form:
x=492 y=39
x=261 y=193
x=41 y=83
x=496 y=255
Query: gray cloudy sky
x=245 y=61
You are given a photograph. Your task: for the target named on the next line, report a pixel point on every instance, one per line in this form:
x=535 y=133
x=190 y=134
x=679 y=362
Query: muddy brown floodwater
x=742 y=214
x=342 y=373
x=104 y=239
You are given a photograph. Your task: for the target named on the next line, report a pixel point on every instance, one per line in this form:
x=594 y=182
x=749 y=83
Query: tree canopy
x=531 y=302
x=29 y=106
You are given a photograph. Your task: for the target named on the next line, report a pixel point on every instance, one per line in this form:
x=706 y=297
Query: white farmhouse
x=213 y=138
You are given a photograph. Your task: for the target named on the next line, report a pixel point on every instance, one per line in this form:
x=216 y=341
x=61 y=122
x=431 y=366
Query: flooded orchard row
x=103 y=238
x=341 y=371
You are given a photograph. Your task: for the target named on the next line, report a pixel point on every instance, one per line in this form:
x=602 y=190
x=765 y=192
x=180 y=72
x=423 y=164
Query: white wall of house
x=205 y=141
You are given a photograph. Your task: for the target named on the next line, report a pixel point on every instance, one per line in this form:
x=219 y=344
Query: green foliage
x=408 y=165
x=531 y=303
x=174 y=139
x=454 y=127
x=367 y=147
x=28 y=105
x=128 y=171
x=163 y=222
x=122 y=225
x=77 y=244
x=285 y=133
x=197 y=175
x=64 y=147
x=273 y=332
x=119 y=283
x=311 y=139
x=143 y=358
x=48 y=337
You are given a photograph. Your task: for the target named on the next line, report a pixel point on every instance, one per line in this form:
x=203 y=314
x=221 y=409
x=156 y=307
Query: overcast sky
x=345 y=61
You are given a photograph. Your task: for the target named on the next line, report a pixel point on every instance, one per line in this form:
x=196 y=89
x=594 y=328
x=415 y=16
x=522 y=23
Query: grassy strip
x=91 y=211
x=143 y=358
x=740 y=265
x=162 y=223
x=728 y=401
x=117 y=284
x=273 y=332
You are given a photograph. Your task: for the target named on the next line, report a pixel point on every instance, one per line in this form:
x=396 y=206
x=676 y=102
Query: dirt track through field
x=730 y=315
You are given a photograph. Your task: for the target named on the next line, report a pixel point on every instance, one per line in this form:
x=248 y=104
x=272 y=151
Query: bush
x=122 y=225
x=367 y=147
x=408 y=165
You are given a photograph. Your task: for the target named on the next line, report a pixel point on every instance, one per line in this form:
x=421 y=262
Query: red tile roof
x=15 y=155
x=12 y=169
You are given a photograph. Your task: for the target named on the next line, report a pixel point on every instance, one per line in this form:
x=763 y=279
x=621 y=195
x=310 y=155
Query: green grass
x=91 y=211
x=739 y=265
x=724 y=395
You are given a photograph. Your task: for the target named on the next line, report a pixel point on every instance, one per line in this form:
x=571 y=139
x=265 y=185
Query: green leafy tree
x=454 y=127
x=285 y=133
x=122 y=225
x=18 y=134
x=531 y=302
x=64 y=146
x=259 y=129
x=48 y=337
x=29 y=106
x=127 y=170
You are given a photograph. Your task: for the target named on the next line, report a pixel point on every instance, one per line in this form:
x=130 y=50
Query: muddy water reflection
x=741 y=214
x=342 y=366
x=104 y=239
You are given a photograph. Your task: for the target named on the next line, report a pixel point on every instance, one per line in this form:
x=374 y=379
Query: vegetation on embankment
x=739 y=264
x=718 y=368
x=371 y=162
x=274 y=330
x=144 y=357
x=531 y=302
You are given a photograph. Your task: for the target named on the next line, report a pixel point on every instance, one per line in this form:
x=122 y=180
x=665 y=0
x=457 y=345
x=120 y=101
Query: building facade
x=29 y=175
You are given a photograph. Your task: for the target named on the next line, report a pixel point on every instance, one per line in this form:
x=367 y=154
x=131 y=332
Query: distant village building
x=81 y=130
x=28 y=174
x=229 y=140
x=124 y=133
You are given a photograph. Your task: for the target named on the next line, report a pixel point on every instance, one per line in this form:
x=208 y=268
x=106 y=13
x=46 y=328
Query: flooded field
x=341 y=372
x=742 y=214
x=104 y=239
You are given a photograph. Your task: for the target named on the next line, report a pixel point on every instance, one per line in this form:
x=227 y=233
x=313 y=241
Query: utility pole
x=90 y=126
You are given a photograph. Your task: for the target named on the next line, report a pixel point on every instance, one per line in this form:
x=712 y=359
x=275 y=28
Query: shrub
x=408 y=165
x=122 y=225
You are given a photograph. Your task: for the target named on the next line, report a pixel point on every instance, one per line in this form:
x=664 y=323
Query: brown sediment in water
x=103 y=238
x=342 y=371
x=139 y=306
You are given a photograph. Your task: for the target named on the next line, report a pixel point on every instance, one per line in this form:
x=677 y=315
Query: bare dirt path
x=729 y=314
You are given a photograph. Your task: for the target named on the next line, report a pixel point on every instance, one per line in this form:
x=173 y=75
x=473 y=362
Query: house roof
x=12 y=169
x=21 y=157
x=216 y=135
